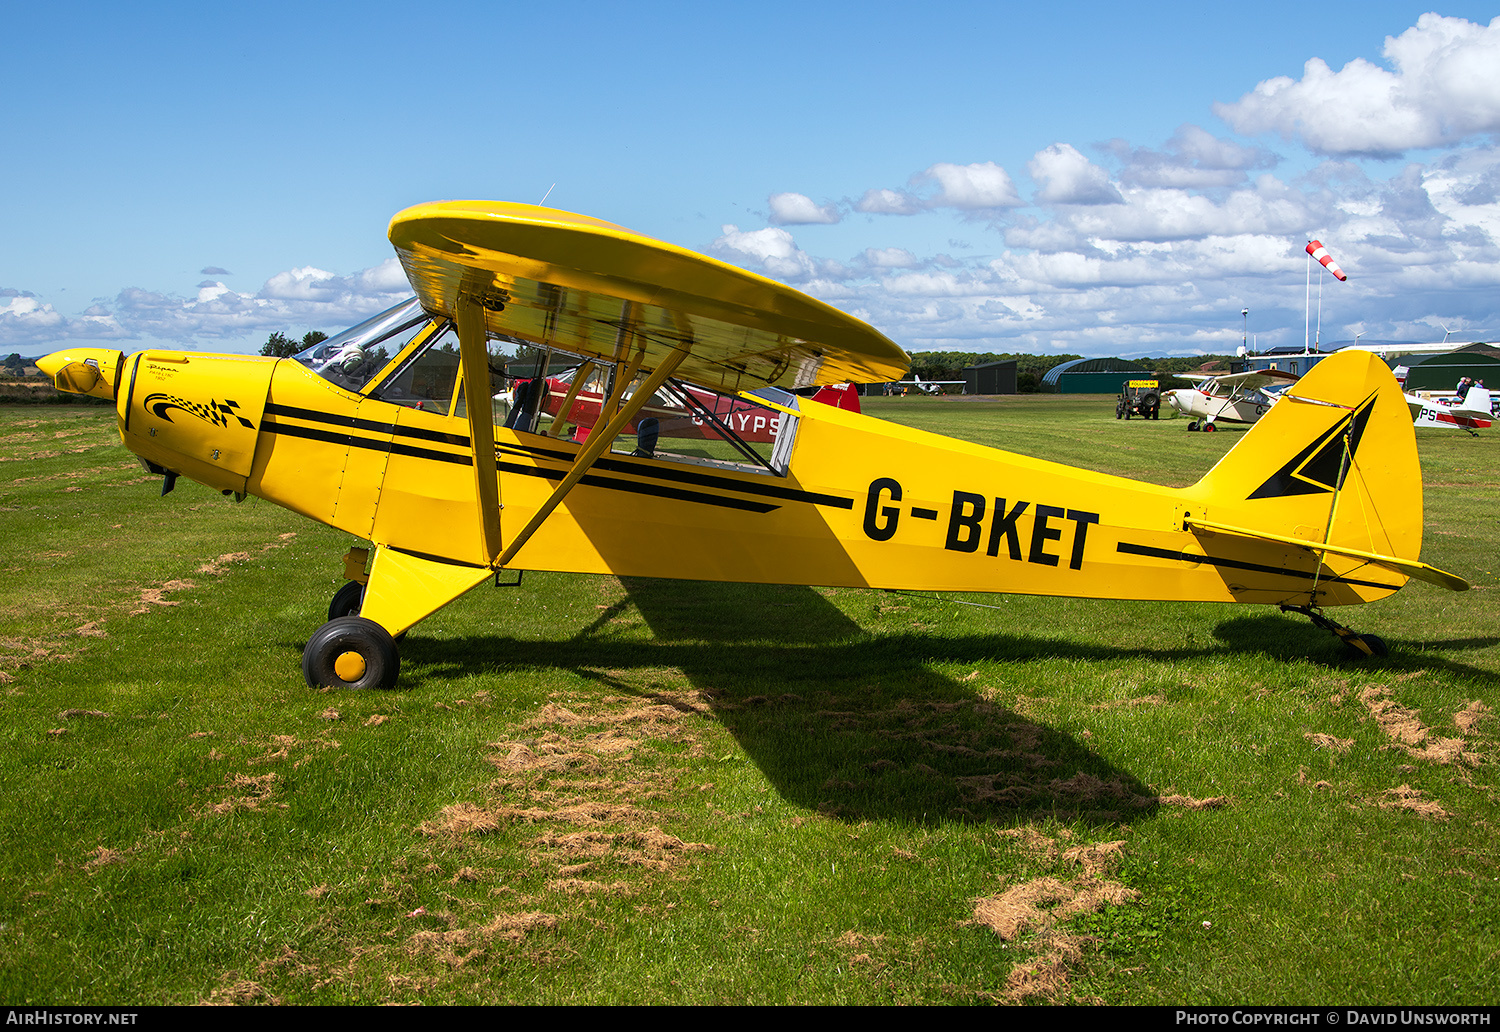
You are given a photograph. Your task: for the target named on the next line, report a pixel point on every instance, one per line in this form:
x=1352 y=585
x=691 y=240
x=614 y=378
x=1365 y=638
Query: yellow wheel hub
x=350 y=666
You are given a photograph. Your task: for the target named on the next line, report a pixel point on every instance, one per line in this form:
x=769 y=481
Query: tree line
x=950 y=365
x=279 y=345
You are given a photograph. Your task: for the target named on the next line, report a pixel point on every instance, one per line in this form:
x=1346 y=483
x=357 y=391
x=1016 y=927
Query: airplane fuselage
x=1214 y=407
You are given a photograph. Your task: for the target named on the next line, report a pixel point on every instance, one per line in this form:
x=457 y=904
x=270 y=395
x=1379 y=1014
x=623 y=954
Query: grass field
x=594 y=791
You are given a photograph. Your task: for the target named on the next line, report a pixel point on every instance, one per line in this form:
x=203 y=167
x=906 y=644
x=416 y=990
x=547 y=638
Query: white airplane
x=1236 y=398
x=1471 y=414
x=928 y=386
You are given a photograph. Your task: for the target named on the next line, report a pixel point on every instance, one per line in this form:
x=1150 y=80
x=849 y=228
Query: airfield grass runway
x=588 y=790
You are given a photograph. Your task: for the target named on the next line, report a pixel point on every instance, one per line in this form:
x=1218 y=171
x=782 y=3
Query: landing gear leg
x=1361 y=645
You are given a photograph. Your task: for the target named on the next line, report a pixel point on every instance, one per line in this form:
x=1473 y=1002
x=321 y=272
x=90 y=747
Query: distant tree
x=14 y=364
x=279 y=345
x=950 y=365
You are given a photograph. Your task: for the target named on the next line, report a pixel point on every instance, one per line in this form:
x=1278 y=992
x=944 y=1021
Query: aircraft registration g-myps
x=451 y=477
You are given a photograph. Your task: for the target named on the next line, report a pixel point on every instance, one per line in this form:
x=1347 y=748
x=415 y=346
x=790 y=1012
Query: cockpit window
x=352 y=358
x=681 y=423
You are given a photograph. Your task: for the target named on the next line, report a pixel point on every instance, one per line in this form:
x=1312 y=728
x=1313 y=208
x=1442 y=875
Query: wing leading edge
x=592 y=288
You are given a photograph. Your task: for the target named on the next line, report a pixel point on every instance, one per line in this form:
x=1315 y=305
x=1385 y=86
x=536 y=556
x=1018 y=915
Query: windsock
x=1318 y=251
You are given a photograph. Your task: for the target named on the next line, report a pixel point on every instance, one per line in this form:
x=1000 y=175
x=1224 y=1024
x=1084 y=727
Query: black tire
x=1193 y=426
x=347 y=600
x=362 y=648
x=1376 y=644
x=1149 y=401
x=1208 y=428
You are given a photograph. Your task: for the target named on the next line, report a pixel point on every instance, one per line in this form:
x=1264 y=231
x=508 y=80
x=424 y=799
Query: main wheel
x=347 y=600
x=1192 y=426
x=1208 y=428
x=351 y=652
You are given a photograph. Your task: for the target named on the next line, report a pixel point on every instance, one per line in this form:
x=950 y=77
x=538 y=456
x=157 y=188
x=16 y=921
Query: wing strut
x=598 y=443
x=474 y=356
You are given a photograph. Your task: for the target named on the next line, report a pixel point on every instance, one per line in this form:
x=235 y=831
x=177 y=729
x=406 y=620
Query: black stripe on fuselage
x=376 y=426
x=310 y=433
x=640 y=468
x=1237 y=564
x=610 y=483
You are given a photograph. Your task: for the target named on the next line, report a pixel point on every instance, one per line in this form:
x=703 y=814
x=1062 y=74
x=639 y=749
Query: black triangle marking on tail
x=1319 y=468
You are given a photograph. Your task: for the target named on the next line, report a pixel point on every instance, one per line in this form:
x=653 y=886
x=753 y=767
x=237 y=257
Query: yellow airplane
x=1318 y=506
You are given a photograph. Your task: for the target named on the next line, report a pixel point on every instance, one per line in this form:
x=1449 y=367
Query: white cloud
x=304 y=284
x=889 y=202
x=772 y=249
x=794 y=209
x=25 y=320
x=1067 y=177
x=1192 y=159
x=1268 y=206
x=1445 y=88
x=975 y=187
x=296 y=298
x=888 y=258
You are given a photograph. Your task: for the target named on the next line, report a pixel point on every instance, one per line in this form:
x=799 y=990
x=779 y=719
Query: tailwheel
x=351 y=652
x=1366 y=645
x=1359 y=645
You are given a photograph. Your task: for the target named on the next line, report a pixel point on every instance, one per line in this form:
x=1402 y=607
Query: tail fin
x=839 y=395
x=1331 y=467
x=1475 y=404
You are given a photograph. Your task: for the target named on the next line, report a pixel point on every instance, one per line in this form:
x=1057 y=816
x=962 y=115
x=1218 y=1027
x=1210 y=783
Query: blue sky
x=1086 y=178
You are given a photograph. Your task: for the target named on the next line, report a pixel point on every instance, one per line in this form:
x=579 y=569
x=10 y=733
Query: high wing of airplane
x=928 y=386
x=1472 y=413
x=1235 y=398
x=1318 y=506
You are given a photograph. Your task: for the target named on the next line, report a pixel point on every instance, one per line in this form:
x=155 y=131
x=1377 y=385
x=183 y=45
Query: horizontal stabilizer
x=1406 y=567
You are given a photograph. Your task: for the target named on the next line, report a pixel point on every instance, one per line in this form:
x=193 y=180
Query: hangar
x=1442 y=372
x=1092 y=376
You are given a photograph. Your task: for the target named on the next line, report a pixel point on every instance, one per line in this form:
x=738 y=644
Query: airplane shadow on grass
x=857 y=724
x=1289 y=638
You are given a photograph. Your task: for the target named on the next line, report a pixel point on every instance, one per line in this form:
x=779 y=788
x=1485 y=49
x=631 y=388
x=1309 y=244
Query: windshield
x=351 y=358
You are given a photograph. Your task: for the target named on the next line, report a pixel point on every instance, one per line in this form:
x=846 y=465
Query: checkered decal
x=215 y=412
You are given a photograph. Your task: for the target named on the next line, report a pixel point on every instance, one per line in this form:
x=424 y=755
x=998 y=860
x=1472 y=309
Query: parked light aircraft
x=928 y=386
x=1236 y=398
x=1471 y=414
x=1318 y=506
